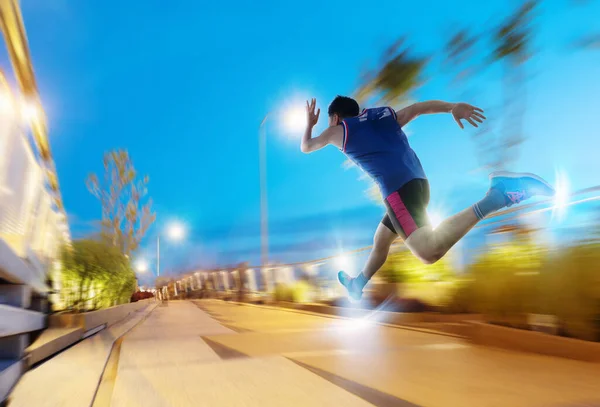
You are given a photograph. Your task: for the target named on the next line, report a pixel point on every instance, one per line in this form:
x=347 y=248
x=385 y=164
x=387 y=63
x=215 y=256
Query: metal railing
x=229 y=281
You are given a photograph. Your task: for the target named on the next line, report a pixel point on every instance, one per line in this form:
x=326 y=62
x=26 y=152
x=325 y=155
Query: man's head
x=341 y=108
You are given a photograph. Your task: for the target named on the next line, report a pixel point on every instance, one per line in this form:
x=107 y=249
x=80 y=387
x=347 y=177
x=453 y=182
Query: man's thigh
x=407 y=208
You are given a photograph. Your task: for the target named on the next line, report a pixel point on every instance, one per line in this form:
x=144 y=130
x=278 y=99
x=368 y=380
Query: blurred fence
x=320 y=274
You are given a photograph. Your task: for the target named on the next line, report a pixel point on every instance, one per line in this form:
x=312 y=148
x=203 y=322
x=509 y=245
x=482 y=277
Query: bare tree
x=126 y=212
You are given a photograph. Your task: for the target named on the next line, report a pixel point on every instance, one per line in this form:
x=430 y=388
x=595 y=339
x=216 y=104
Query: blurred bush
x=141 y=295
x=570 y=289
x=514 y=280
x=405 y=276
x=460 y=299
x=299 y=291
x=505 y=281
x=412 y=305
x=95 y=274
x=403 y=267
x=282 y=292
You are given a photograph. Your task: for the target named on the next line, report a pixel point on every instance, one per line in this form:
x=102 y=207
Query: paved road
x=211 y=353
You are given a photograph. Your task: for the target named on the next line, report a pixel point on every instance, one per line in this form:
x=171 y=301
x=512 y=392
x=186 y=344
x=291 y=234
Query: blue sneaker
x=354 y=293
x=518 y=187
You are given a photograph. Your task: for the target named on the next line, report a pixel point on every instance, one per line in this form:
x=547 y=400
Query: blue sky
x=184 y=86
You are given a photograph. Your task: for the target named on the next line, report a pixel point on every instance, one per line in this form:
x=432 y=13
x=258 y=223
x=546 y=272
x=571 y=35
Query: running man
x=374 y=140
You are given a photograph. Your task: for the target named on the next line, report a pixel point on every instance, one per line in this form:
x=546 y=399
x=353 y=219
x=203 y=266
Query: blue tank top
x=375 y=142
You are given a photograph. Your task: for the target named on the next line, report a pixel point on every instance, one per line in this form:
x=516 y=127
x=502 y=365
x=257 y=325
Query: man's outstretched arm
x=310 y=144
x=460 y=111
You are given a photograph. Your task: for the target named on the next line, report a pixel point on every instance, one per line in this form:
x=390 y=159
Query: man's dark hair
x=344 y=107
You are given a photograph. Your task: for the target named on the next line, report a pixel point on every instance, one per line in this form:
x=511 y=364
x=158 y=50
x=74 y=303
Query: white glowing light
x=435 y=218
x=561 y=197
x=6 y=103
x=343 y=262
x=356 y=323
x=294 y=119
x=29 y=112
x=25 y=111
x=141 y=266
x=176 y=231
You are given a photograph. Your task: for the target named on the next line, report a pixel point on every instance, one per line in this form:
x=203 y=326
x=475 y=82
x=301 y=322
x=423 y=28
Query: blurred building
x=33 y=223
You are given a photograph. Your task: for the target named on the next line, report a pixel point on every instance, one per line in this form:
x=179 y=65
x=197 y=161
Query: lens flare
x=141 y=266
x=343 y=262
x=29 y=112
x=562 y=195
x=294 y=119
x=435 y=218
x=176 y=231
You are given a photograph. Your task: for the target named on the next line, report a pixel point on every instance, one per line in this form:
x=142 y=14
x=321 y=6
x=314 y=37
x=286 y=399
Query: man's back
x=376 y=143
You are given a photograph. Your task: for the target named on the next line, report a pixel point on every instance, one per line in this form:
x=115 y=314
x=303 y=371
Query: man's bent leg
x=384 y=237
x=431 y=245
x=506 y=189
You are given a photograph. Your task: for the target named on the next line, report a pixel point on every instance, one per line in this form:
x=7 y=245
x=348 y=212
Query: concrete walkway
x=415 y=368
x=212 y=353
x=70 y=379
x=166 y=362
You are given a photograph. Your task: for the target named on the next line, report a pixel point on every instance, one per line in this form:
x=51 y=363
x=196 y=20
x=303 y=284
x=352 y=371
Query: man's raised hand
x=311 y=117
x=464 y=111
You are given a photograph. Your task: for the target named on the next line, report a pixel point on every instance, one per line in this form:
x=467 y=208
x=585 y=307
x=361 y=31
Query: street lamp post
x=157 y=256
x=264 y=232
x=294 y=120
x=175 y=232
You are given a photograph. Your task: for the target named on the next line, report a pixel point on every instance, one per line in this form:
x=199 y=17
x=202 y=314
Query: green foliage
x=283 y=292
x=513 y=37
x=125 y=216
x=404 y=267
x=505 y=279
x=460 y=299
x=570 y=289
x=514 y=280
x=296 y=292
x=428 y=283
x=95 y=274
x=460 y=46
x=301 y=291
x=507 y=40
x=398 y=75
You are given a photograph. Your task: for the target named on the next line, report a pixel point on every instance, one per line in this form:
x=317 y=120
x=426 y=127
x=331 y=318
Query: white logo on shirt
x=385 y=113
